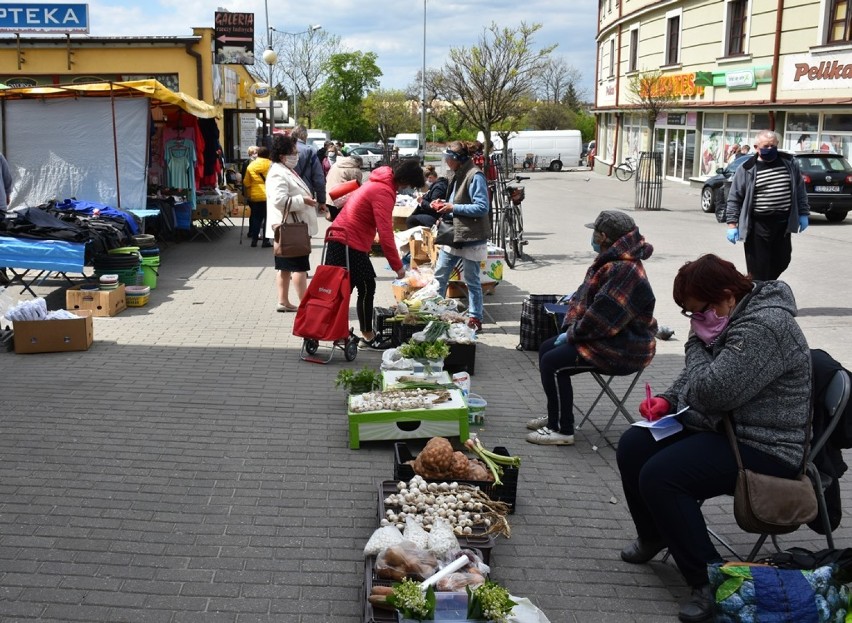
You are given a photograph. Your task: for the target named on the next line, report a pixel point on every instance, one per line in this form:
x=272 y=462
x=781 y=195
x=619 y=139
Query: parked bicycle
x=626 y=169
x=512 y=220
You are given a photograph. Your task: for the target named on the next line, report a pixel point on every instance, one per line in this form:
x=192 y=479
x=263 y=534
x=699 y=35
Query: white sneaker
x=539 y=422
x=546 y=437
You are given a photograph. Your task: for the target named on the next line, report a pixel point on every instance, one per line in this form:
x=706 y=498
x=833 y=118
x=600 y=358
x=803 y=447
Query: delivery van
x=317 y=138
x=542 y=149
x=408 y=146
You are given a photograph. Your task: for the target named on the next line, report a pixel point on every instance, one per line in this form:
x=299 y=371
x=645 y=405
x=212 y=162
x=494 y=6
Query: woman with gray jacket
x=746 y=356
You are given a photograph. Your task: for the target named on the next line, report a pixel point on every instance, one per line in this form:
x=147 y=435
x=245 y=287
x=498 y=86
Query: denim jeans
x=444 y=267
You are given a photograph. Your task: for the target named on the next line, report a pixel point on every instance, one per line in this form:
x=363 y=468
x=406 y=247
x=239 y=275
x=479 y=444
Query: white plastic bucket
x=476 y=409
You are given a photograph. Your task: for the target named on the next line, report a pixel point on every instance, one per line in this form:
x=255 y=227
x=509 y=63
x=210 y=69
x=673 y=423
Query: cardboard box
x=400 y=215
x=99 y=302
x=54 y=336
x=423 y=252
x=209 y=211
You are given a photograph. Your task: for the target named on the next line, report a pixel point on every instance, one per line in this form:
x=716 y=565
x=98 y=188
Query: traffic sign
x=233 y=41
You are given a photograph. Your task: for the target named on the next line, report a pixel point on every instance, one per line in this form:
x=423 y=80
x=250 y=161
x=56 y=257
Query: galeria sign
x=20 y=17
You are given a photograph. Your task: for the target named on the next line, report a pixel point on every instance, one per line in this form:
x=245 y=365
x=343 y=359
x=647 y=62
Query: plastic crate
x=507 y=492
x=381 y=327
x=478 y=540
x=402 y=332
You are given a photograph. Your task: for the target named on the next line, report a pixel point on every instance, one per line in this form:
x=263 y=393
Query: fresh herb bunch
x=489 y=602
x=358 y=381
x=412 y=602
x=413 y=349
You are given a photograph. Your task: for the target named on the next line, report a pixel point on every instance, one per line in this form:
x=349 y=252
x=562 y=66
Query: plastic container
x=476 y=409
x=150 y=271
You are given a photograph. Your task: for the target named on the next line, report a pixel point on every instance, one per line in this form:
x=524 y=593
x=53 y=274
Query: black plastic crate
x=462 y=358
x=402 y=332
x=381 y=325
x=477 y=541
x=507 y=492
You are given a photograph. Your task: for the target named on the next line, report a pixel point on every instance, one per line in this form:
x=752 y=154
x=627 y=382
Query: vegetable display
x=360 y=381
x=398 y=400
x=493 y=460
x=413 y=349
x=438 y=461
x=464 y=507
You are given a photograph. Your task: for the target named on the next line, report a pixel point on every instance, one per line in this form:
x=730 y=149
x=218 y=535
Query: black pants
x=768 y=246
x=664 y=482
x=257 y=220
x=557 y=364
x=362 y=276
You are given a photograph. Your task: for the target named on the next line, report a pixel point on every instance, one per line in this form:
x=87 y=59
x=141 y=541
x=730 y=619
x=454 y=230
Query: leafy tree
x=552 y=116
x=339 y=101
x=390 y=112
x=586 y=124
x=490 y=82
x=439 y=112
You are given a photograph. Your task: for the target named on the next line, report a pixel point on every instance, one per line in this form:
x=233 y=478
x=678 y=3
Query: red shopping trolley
x=323 y=314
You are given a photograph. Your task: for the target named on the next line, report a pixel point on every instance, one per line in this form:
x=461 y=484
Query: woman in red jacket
x=367 y=211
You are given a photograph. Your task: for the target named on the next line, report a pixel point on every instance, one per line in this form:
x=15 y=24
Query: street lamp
x=423 y=87
x=310 y=29
x=270 y=58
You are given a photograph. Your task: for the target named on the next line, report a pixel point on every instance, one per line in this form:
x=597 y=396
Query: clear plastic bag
x=415 y=533
x=405 y=560
x=381 y=539
x=441 y=538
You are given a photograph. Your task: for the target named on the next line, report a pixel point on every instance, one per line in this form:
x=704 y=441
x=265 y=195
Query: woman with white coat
x=283 y=184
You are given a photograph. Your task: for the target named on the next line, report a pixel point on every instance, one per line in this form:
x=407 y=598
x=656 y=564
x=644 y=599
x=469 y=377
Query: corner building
x=735 y=66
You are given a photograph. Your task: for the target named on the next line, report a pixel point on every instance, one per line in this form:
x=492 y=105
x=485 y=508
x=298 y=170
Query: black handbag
x=767 y=504
x=444 y=232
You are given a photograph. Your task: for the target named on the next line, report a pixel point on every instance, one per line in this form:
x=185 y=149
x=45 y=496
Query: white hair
x=771 y=135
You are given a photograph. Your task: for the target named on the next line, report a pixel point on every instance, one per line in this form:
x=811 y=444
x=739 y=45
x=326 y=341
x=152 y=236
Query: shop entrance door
x=674 y=153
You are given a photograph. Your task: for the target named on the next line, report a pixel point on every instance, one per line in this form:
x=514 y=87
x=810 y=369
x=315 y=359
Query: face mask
x=707 y=325
x=596 y=247
x=768 y=153
x=291 y=161
x=429 y=183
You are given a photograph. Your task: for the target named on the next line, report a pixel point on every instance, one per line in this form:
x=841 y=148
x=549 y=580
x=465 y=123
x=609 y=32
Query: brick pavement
x=190 y=468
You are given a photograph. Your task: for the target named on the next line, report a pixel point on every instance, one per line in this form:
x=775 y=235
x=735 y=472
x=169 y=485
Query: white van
x=408 y=146
x=542 y=149
x=317 y=138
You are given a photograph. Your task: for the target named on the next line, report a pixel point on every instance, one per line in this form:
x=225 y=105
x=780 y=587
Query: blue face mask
x=768 y=153
x=596 y=247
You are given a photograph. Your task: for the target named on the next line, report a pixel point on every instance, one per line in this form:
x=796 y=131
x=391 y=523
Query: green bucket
x=150 y=272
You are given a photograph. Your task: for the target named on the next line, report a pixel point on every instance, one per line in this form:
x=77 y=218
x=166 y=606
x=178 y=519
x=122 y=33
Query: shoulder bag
x=444 y=232
x=767 y=504
x=291 y=239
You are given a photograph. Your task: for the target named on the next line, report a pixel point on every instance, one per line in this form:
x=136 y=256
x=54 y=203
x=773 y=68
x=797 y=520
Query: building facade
x=734 y=67
x=182 y=64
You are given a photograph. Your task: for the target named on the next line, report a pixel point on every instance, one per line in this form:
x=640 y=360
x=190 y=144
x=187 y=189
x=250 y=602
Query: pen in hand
x=648 y=393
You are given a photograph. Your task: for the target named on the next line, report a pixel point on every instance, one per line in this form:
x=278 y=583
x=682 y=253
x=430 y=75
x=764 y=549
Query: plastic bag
x=476 y=562
x=382 y=538
x=428 y=291
x=392 y=360
x=456 y=582
x=419 y=278
x=526 y=611
x=415 y=533
x=441 y=538
x=405 y=560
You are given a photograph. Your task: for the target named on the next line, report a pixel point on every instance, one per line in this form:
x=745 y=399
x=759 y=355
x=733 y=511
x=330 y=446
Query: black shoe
x=699 y=607
x=266 y=244
x=254 y=243
x=639 y=551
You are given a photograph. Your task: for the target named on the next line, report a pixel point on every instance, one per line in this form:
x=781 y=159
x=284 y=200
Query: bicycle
x=512 y=220
x=626 y=169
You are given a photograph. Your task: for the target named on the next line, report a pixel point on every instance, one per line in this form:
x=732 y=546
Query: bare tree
x=442 y=114
x=558 y=80
x=490 y=81
x=651 y=93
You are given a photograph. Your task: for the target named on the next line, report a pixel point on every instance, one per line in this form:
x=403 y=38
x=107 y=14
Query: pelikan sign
x=55 y=18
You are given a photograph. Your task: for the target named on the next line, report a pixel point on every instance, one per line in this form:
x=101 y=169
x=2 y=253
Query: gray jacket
x=759 y=370
x=739 y=207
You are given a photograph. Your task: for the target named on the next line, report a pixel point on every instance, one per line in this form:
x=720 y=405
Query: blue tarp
x=50 y=255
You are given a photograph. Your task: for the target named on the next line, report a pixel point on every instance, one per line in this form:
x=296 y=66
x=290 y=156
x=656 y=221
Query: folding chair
x=604 y=380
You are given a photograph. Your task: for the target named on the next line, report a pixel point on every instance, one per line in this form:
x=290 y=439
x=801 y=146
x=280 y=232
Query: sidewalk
x=189 y=467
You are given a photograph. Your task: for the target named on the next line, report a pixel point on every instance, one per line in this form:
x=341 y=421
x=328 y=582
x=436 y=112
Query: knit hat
x=612 y=223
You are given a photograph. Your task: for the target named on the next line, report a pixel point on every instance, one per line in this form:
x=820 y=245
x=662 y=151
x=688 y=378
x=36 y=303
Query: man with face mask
x=767 y=202
x=609 y=324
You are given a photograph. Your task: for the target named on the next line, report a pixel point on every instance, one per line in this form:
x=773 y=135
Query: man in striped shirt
x=767 y=202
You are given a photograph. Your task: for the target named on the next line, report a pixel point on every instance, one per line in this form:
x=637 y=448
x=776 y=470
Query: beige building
x=183 y=64
x=735 y=67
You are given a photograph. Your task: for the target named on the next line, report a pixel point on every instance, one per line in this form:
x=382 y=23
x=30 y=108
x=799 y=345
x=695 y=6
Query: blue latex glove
x=733 y=235
x=561 y=339
x=803 y=223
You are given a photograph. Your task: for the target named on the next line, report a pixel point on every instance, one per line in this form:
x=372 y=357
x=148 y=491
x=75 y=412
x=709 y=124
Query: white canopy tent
x=88 y=142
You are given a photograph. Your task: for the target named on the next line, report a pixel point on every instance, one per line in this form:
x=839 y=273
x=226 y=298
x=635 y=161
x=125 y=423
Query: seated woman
x=745 y=356
x=424 y=215
x=609 y=325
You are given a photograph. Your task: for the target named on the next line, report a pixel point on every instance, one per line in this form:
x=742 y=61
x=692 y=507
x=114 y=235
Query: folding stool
x=603 y=379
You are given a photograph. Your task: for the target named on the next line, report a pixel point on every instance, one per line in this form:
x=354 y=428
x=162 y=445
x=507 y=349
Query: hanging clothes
x=180 y=164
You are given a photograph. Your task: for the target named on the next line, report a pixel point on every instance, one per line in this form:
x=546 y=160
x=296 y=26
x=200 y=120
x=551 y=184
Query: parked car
x=827 y=177
x=372 y=157
x=714 y=192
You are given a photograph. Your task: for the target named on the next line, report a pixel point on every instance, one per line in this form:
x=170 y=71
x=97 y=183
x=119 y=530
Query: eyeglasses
x=690 y=314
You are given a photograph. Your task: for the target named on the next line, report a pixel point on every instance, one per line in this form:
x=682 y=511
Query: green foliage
x=489 y=602
x=391 y=112
x=425 y=350
x=412 y=602
x=586 y=124
x=358 y=382
x=551 y=116
x=338 y=103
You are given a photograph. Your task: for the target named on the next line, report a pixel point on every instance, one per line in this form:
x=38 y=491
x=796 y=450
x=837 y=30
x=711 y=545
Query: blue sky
x=393 y=29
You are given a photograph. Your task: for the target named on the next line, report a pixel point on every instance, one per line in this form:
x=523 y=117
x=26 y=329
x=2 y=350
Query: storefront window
x=714 y=120
x=837 y=123
x=739 y=122
x=610 y=137
x=759 y=121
